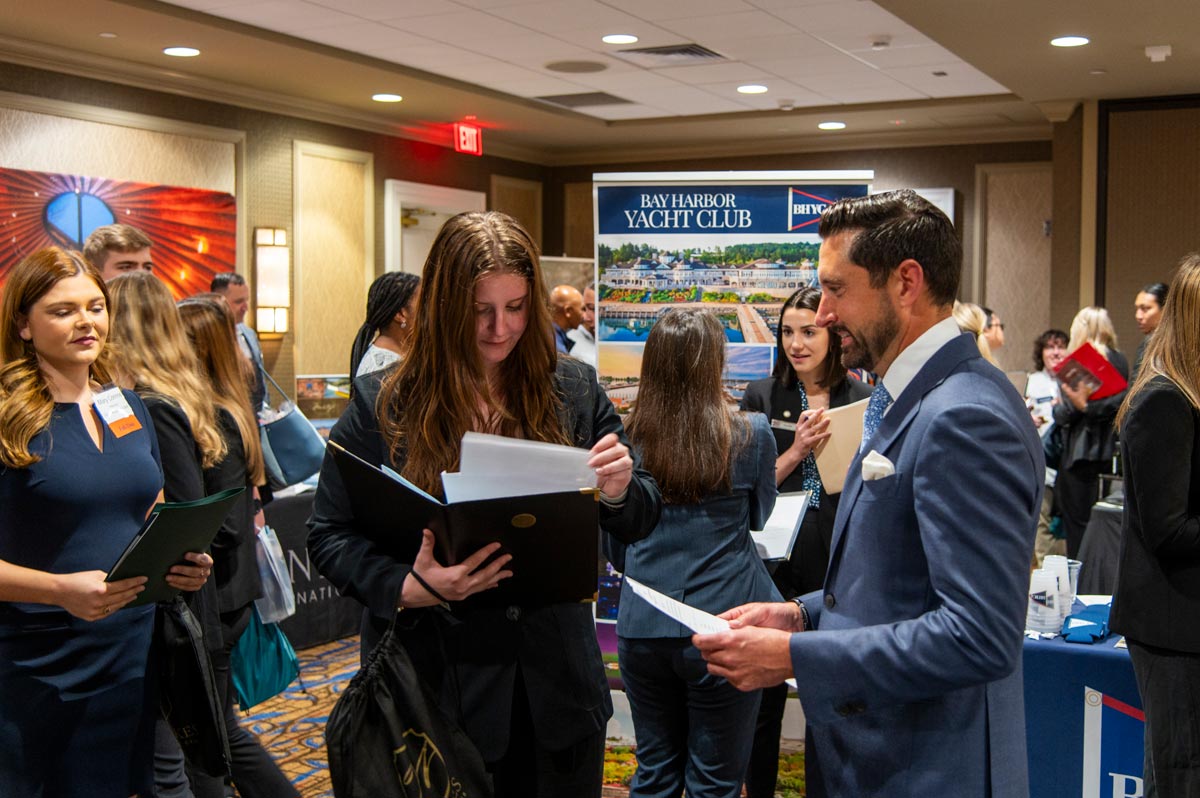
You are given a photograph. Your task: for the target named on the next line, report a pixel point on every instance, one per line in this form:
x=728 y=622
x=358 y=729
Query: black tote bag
x=388 y=738
x=187 y=688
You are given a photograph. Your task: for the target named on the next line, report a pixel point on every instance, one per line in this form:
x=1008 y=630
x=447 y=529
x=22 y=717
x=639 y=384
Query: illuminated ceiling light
x=619 y=38
x=386 y=98
x=108 y=35
x=752 y=88
x=181 y=52
x=1070 y=41
x=832 y=125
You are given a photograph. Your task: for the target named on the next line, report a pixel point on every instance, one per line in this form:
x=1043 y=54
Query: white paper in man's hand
x=698 y=621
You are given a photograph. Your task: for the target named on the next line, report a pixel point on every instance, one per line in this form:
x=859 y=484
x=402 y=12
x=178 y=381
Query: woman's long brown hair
x=25 y=401
x=440 y=390
x=210 y=327
x=683 y=422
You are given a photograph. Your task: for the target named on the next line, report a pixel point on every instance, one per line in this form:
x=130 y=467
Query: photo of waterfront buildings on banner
x=745 y=284
x=621 y=368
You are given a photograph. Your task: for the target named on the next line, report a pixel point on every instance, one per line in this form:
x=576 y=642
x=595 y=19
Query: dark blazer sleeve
x=1158 y=436
x=345 y=556
x=757 y=397
x=183 y=480
x=235 y=561
x=762 y=498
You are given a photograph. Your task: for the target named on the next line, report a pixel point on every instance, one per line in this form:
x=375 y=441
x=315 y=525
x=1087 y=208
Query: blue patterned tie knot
x=879 y=402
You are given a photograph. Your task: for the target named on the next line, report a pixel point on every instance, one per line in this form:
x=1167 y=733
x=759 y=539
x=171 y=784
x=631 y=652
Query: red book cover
x=1087 y=367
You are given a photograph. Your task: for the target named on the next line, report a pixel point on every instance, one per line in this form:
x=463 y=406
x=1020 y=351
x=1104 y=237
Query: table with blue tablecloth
x=1083 y=720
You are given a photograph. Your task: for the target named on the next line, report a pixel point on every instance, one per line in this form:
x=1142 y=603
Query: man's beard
x=871 y=343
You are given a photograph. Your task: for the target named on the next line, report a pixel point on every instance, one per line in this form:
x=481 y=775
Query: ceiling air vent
x=584 y=100
x=670 y=55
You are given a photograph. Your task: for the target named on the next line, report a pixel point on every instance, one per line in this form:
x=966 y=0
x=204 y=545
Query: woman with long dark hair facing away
x=715 y=466
x=1089 y=438
x=526 y=682
x=1156 y=604
x=210 y=328
x=383 y=337
x=79 y=472
x=807 y=380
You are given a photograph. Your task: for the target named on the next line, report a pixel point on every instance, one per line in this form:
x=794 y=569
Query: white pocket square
x=876 y=466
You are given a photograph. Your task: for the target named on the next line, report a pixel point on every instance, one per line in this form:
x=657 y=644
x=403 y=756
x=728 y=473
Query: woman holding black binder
x=79 y=471
x=717 y=480
x=525 y=682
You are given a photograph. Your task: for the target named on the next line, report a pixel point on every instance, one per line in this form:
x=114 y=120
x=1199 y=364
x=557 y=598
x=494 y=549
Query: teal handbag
x=262 y=663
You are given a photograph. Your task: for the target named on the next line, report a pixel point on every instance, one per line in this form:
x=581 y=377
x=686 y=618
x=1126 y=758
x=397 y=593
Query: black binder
x=171 y=531
x=552 y=537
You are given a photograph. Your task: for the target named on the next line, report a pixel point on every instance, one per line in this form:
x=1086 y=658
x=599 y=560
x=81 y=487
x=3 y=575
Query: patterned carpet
x=292 y=725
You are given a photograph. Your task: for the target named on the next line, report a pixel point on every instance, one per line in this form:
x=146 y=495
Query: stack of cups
x=1057 y=565
x=1043 y=613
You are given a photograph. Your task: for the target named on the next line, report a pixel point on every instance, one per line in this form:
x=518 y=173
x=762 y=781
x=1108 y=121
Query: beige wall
x=1153 y=189
x=1016 y=272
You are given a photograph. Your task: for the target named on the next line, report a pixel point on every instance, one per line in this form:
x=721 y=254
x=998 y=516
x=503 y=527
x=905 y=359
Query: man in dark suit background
x=232 y=286
x=911 y=674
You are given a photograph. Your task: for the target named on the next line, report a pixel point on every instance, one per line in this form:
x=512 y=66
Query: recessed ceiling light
x=386 y=98
x=181 y=52
x=108 y=35
x=1098 y=72
x=1069 y=41
x=832 y=125
x=619 y=38
x=752 y=88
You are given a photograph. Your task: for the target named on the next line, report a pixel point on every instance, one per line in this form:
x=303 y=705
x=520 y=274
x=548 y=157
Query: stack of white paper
x=493 y=466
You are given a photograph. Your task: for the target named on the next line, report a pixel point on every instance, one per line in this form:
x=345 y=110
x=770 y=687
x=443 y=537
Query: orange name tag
x=123 y=426
x=116 y=412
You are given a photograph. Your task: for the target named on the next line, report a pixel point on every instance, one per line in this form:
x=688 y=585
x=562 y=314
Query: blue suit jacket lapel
x=901 y=414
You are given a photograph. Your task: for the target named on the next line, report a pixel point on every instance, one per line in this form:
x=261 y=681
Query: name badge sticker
x=116 y=412
x=783 y=425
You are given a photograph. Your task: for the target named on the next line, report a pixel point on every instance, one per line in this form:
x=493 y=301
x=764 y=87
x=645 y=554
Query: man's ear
x=909 y=279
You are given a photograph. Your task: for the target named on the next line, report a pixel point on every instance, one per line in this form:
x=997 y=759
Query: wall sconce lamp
x=273 y=297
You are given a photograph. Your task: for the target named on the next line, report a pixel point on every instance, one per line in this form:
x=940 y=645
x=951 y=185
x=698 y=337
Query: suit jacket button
x=830 y=601
x=843 y=710
x=513 y=613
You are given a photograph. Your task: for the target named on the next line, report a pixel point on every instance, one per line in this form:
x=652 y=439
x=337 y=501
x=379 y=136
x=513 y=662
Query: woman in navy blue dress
x=716 y=468
x=79 y=471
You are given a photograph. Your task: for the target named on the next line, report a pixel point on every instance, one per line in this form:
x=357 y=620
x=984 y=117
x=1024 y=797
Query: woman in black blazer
x=808 y=378
x=526 y=682
x=1156 y=604
x=1091 y=439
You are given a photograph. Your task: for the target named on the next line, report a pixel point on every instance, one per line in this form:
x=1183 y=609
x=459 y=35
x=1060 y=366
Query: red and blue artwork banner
x=716 y=209
x=194 y=231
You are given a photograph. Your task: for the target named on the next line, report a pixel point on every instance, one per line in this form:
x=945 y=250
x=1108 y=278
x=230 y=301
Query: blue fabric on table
x=1089 y=625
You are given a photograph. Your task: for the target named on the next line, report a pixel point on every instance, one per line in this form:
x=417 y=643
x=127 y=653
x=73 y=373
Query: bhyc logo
x=804 y=209
x=1112 y=747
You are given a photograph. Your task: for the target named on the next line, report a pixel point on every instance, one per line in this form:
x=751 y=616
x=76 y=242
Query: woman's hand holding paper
x=192 y=577
x=613 y=465
x=455 y=582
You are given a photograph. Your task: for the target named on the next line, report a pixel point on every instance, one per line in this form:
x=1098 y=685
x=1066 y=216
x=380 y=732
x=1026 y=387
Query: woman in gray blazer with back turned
x=715 y=467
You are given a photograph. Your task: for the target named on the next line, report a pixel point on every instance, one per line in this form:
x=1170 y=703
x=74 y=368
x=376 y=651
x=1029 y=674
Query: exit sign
x=468 y=138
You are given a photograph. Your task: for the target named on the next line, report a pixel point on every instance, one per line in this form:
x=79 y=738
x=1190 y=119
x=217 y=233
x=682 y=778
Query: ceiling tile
x=856 y=39
x=364 y=37
x=710 y=30
x=648 y=36
x=713 y=73
x=491 y=73
x=804 y=69
x=460 y=27
x=614 y=112
x=543 y=87
x=284 y=16
x=563 y=15
x=897 y=57
x=205 y=5
x=960 y=80
x=882 y=91
x=654 y=10
x=840 y=16
x=531 y=49
x=796 y=96
x=758 y=48
x=389 y=9
x=617 y=82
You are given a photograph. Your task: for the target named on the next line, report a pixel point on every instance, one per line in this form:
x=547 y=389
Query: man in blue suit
x=908 y=661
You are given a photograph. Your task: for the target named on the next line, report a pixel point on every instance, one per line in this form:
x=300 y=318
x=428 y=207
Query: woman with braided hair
x=383 y=337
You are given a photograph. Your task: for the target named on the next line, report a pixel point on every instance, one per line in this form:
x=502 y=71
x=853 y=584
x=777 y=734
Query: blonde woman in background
x=1089 y=438
x=971 y=318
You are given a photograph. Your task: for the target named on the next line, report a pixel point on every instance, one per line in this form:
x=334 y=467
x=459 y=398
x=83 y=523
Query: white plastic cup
x=1073 y=568
x=1043 y=613
x=1057 y=565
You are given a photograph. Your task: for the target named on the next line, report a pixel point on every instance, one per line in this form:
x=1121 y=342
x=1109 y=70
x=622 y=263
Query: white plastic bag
x=278 y=599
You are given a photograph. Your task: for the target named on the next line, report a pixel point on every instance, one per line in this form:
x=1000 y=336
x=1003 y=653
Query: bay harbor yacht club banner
x=736 y=243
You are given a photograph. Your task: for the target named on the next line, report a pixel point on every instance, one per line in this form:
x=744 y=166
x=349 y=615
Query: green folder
x=171 y=531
